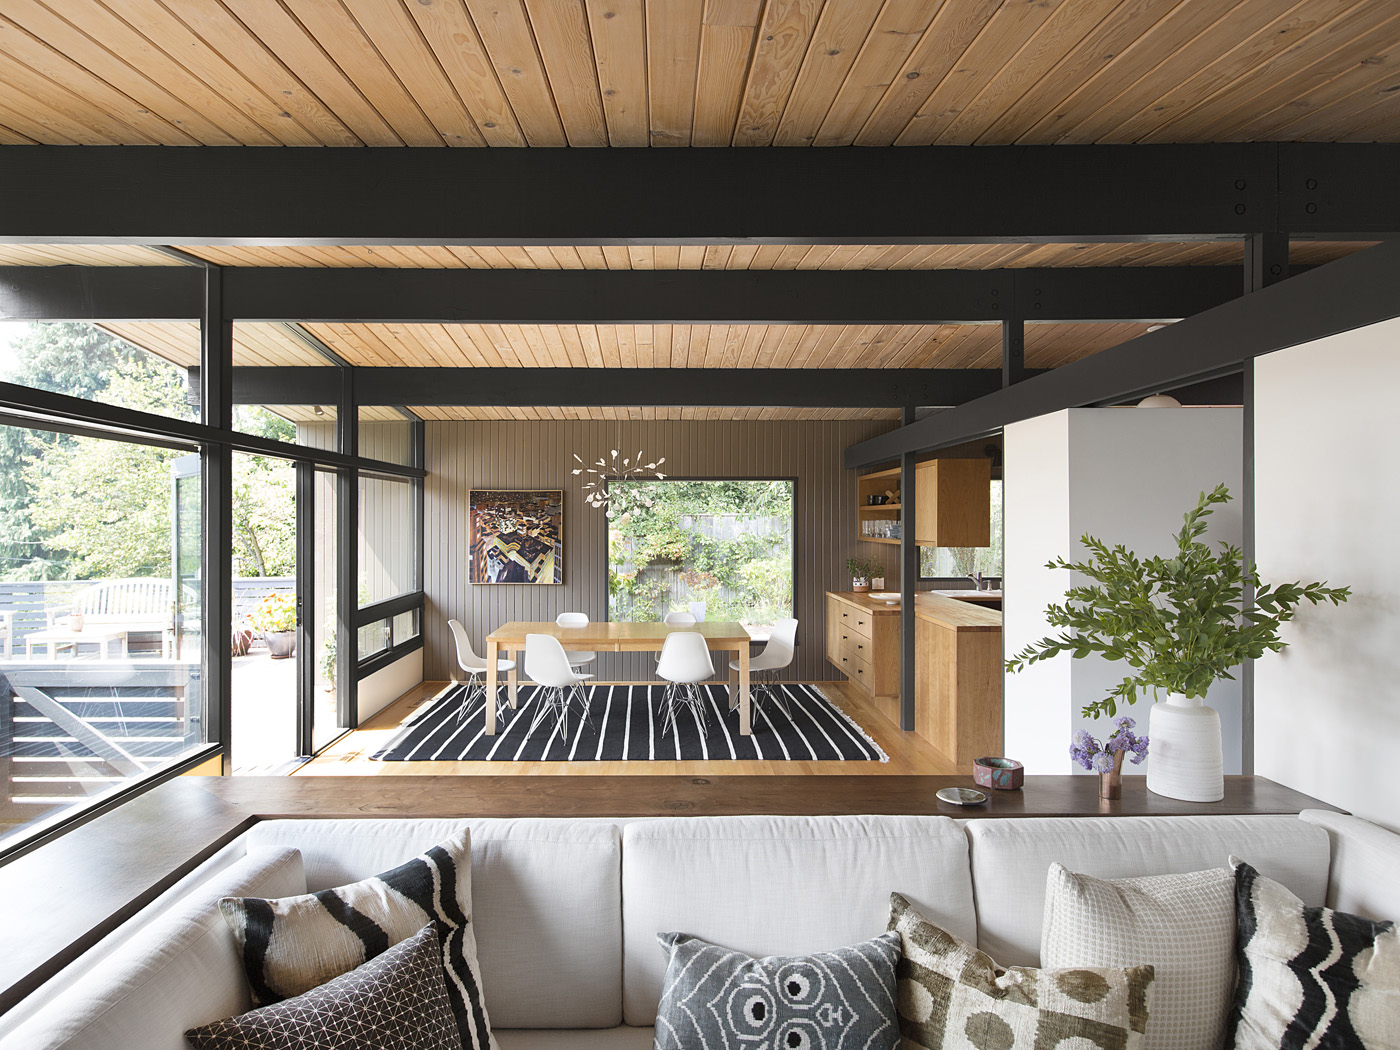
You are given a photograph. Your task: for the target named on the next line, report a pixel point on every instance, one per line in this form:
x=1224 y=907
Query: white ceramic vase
x=1184 y=759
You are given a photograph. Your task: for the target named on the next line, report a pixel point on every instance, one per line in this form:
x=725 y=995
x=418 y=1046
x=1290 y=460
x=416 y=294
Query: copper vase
x=1111 y=783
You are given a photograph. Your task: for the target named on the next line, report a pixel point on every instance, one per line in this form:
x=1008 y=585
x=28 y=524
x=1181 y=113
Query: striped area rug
x=628 y=720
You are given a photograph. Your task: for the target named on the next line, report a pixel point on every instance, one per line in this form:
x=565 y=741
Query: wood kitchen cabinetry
x=958 y=678
x=953 y=503
x=862 y=642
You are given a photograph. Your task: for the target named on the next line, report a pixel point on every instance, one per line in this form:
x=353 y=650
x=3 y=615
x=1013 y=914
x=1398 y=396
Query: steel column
x=216 y=400
x=908 y=582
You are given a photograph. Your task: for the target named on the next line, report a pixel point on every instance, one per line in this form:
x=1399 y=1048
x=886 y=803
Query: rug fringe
x=851 y=722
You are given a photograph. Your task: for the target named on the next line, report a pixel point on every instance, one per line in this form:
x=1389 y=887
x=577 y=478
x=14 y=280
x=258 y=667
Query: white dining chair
x=547 y=665
x=678 y=619
x=685 y=663
x=776 y=656
x=475 y=666
x=575 y=619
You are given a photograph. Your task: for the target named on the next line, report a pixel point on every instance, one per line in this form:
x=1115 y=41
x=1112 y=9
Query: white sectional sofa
x=567 y=911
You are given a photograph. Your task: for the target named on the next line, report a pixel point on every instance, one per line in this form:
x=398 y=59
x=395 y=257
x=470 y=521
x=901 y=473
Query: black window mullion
x=216 y=400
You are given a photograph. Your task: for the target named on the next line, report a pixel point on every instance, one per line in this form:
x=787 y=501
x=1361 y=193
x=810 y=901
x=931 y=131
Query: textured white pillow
x=1183 y=925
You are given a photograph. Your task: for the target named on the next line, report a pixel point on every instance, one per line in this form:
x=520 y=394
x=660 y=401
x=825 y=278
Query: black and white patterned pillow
x=716 y=998
x=1310 y=977
x=292 y=944
x=396 y=1001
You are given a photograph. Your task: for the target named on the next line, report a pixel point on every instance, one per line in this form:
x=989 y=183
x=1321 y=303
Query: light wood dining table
x=617 y=637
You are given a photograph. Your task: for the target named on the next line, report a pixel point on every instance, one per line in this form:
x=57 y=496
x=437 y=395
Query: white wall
x=1327 y=444
x=384 y=686
x=1125 y=475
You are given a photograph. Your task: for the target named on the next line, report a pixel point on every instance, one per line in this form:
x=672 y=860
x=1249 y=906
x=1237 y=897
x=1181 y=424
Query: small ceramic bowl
x=1003 y=774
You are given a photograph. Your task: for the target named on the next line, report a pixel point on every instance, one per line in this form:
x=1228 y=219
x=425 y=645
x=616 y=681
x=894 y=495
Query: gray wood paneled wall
x=539 y=455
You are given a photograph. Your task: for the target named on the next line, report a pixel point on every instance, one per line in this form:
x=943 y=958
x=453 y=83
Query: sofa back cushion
x=546 y=904
x=780 y=886
x=1010 y=859
x=1365 y=860
x=178 y=971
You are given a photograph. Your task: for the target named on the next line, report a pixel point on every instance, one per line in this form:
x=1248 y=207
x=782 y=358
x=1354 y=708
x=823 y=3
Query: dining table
x=611 y=636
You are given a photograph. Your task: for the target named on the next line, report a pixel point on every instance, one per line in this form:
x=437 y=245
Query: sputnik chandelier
x=596 y=492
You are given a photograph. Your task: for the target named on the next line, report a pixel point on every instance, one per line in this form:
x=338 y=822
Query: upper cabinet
x=953 y=503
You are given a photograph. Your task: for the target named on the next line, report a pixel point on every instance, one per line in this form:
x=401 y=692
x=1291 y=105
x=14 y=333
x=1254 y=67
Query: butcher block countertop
x=955 y=613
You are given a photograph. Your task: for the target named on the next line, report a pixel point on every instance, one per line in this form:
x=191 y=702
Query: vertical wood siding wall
x=539 y=455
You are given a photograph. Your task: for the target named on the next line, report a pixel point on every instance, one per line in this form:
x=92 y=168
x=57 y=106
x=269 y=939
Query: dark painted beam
x=619 y=297
x=1358 y=290
x=782 y=387
x=162 y=195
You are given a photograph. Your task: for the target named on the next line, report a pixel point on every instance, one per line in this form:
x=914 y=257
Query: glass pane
x=143 y=366
x=325 y=717
x=374 y=638
x=265 y=610
x=952 y=562
x=311 y=426
x=388 y=543
x=264 y=344
x=725 y=543
x=386 y=435
x=99 y=619
x=405 y=626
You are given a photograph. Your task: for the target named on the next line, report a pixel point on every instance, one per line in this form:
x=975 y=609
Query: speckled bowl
x=1003 y=774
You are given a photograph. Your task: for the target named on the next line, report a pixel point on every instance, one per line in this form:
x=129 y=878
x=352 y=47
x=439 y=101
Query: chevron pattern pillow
x=293 y=944
x=1310 y=977
x=716 y=998
x=396 y=1001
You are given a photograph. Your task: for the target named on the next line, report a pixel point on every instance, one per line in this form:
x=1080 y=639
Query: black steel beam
x=1358 y=290
x=101 y=293
x=165 y=195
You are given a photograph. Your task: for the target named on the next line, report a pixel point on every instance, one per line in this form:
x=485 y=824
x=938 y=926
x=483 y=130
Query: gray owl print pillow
x=715 y=998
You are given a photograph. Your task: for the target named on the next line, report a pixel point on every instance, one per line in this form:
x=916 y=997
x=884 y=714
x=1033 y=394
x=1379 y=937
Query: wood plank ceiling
x=696 y=72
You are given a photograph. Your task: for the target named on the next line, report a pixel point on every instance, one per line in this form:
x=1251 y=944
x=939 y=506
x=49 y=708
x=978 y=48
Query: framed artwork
x=516 y=537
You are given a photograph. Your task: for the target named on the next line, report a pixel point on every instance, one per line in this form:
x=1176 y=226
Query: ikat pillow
x=1183 y=924
x=294 y=944
x=396 y=1001
x=1310 y=977
x=716 y=998
x=953 y=997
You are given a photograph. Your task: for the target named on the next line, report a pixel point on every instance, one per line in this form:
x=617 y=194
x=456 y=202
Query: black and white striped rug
x=628 y=719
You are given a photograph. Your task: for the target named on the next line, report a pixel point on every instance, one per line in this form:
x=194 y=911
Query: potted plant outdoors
x=862 y=570
x=276 y=618
x=1181 y=624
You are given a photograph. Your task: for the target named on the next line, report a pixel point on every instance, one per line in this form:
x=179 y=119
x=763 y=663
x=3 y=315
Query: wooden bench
x=133 y=605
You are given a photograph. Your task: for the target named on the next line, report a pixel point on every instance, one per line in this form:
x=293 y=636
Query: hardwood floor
x=349 y=756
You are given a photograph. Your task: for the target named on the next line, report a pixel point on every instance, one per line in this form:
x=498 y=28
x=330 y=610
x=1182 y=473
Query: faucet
x=976 y=578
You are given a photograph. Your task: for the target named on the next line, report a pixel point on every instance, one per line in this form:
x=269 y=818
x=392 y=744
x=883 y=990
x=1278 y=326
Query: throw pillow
x=954 y=997
x=714 y=998
x=1184 y=925
x=293 y=944
x=1311 y=977
x=396 y=1001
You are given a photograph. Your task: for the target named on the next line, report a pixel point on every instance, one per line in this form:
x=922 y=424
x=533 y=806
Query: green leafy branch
x=1179 y=622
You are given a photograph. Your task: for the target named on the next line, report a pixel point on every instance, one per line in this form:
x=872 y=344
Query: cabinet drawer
x=857 y=669
x=854 y=620
x=856 y=645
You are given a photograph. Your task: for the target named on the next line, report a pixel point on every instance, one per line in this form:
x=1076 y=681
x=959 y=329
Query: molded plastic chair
x=576 y=619
x=475 y=666
x=776 y=656
x=678 y=619
x=548 y=666
x=685 y=662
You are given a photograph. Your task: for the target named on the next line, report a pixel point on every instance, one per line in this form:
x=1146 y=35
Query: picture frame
x=516 y=536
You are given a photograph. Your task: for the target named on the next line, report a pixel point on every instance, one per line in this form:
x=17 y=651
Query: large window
x=956 y=562
x=728 y=544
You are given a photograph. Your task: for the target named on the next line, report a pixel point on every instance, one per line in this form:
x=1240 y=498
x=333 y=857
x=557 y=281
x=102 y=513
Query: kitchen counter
x=956 y=613
x=967 y=594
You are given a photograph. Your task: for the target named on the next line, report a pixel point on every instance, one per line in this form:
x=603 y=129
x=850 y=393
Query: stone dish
x=1001 y=774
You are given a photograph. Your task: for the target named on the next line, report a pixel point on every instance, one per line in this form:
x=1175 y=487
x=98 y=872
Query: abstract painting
x=516 y=537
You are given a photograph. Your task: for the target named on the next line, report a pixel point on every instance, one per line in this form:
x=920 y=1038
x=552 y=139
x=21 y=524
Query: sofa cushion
x=780 y=886
x=179 y=971
x=546 y=903
x=717 y=997
x=623 y=1037
x=1181 y=925
x=1311 y=977
x=1010 y=859
x=953 y=997
x=291 y=945
x=395 y=1001
x=1365 y=859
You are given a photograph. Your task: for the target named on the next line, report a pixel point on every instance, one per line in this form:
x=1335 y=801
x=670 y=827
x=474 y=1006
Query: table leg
x=733 y=687
x=492 y=654
x=745 y=714
x=514 y=679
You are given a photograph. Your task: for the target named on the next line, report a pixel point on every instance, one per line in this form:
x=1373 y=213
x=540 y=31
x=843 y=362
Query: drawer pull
x=860 y=647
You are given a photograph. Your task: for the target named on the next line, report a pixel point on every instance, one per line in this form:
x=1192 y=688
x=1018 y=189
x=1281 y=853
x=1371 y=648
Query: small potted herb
x=862 y=570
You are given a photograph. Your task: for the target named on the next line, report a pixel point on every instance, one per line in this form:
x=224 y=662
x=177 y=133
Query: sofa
x=566 y=911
